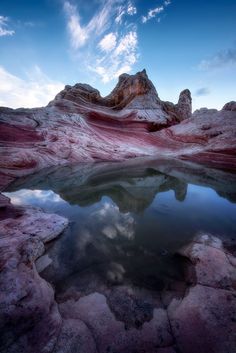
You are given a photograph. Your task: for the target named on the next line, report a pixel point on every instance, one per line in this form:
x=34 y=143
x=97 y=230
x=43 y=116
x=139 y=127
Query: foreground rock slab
x=29 y=317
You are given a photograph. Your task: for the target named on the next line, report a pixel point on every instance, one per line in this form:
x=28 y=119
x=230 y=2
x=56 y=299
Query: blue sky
x=46 y=44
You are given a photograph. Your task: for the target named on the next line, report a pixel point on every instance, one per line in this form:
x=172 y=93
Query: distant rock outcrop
x=133 y=93
x=184 y=106
x=231 y=106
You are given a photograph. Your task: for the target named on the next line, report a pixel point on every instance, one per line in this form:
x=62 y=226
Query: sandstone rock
x=212 y=265
x=204 y=321
x=29 y=317
x=210 y=136
x=75 y=337
x=231 y=106
x=80 y=125
x=110 y=334
x=184 y=106
x=127 y=89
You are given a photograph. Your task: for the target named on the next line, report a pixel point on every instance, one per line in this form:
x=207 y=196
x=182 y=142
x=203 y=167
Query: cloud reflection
x=35 y=197
x=114 y=223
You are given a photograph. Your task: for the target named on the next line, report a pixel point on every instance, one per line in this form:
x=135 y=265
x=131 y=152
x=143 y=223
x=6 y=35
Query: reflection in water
x=127 y=220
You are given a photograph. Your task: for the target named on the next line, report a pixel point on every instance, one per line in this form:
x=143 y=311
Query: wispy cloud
x=131 y=9
x=127 y=9
x=78 y=34
x=221 y=59
x=99 y=23
x=34 y=91
x=204 y=91
x=152 y=13
x=122 y=58
x=120 y=13
x=4 y=31
x=116 y=39
x=108 y=42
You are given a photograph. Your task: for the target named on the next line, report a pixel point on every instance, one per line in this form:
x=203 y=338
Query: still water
x=127 y=221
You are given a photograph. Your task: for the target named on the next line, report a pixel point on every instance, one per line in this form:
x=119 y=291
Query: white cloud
x=131 y=9
x=108 y=42
x=123 y=69
x=152 y=13
x=121 y=60
x=117 y=41
x=113 y=223
x=36 y=90
x=120 y=14
x=79 y=35
x=4 y=31
x=127 y=44
x=35 y=197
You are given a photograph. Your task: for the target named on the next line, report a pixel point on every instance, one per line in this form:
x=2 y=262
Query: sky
x=46 y=44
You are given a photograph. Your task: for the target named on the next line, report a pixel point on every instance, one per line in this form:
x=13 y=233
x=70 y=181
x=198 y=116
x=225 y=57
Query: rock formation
x=231 y=106
x=80 y=125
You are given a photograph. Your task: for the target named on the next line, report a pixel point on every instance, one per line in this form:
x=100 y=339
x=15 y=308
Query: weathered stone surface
x=212 y=266
x=75 y=337
x=204 y=321
x=208 y=137
x=231 y=106
x=111 y=334
x=29 y=318
x=184 y=106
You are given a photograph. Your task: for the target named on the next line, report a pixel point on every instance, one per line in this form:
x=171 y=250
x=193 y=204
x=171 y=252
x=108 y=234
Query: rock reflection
x=114 y=240
x=132 y=185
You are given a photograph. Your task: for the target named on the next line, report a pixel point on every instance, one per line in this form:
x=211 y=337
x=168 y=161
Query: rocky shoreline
x=195 y=314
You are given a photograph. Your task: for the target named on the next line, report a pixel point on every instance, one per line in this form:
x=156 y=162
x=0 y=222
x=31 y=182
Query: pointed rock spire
x=184 y=106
